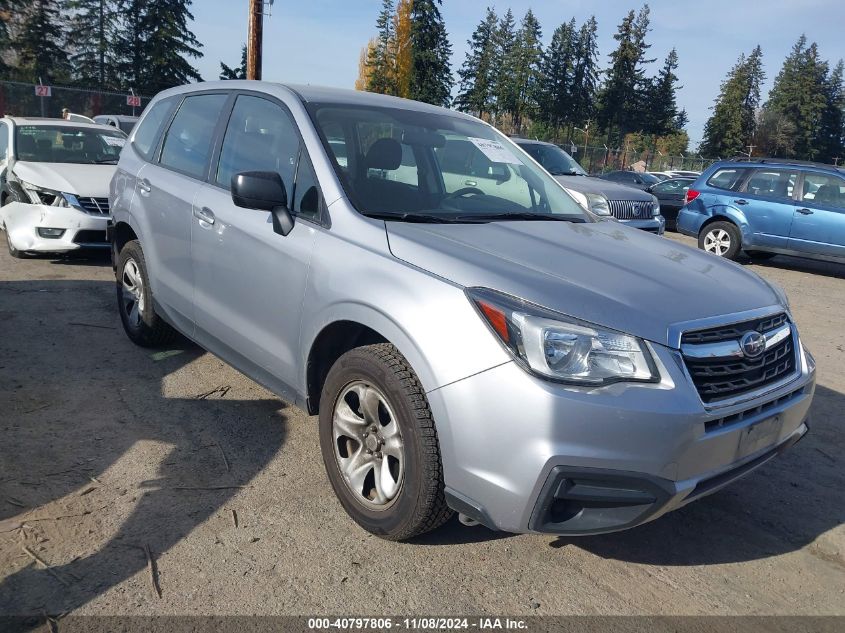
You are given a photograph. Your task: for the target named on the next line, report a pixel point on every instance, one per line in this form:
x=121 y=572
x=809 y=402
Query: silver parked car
x=473 y=343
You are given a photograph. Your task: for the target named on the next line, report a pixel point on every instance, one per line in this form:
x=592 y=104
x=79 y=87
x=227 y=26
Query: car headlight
x=42 y=195
x=560 y=348
x=593 y=202
x=656 y=206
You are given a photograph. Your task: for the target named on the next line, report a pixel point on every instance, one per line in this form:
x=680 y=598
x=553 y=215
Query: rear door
x=249 y=282
x=766 y=201
x=818 y=226
x=166 y=189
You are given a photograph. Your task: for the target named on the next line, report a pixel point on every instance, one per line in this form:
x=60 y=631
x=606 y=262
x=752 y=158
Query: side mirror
x=263 y=190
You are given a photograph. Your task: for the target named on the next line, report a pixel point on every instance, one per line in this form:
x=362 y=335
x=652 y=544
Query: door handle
x=204 y=215
x=805 y=211
x=144 y=186
x=470 y=183
x=741 y=201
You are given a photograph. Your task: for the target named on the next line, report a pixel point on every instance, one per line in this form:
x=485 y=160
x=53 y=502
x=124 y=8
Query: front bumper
x=652 y=225
x=521 y=454
x=81 y=230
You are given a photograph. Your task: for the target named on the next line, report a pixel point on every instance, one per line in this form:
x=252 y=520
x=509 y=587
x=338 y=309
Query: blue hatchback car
x=765 y=207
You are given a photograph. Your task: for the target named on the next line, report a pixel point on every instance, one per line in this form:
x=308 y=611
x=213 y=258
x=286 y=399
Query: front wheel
x=722 y=239
x=379 y=444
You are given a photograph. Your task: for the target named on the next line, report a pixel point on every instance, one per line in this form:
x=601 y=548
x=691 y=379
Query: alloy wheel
x=133 y=292
x=717 y=242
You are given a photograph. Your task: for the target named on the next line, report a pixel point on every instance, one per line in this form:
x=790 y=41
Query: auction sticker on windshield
x=494 y=150
x=114 y=141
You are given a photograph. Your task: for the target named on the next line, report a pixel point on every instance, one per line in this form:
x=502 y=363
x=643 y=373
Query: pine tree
x=505 y=42
x=523 y=70
x=363 y=69
x=154 y=43
x=381 y=77
x=477 y=75
x=238 y=72
x=557 y=75
x=93 y=24
x=402 y=49
x=431 y=73
x=622 y=101
x=5 y=20
x=831 y=138
x=585 y=74
x=41 y=43
x=731 y=126
x=799 y=94
x=661 y=111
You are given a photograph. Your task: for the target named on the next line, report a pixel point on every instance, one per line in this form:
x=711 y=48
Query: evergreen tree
x=731 y=126
x=5 y=20
x=381 y=77
x=799 y=94
x=154 y=43
x=40 y=43
x=557 y=75
x=505 y=42
x=523 y=70
x=431 y=73
x=831 y=139
x=238 y=72
x=477 y=75
x=622 y=102
x=363 y=69
x=661 y=112
x=585 y=74
x=93 y=24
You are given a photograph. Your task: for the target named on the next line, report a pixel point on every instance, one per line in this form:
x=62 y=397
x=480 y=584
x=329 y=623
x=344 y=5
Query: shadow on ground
x=72 y=412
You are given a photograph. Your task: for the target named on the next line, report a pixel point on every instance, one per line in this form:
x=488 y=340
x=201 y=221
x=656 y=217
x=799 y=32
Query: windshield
x=649 y=179
x=553 y=159
x=419 y=166
x=64 y=144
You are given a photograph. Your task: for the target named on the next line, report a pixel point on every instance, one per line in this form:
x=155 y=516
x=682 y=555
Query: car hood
x=80 y=180
x=612 y=190
x=603 y=272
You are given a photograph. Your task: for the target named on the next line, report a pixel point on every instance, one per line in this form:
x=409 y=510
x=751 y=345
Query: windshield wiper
x=535 y=217
x=413 y=217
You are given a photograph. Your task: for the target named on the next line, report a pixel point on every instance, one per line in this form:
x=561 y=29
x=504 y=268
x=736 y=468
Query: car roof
x=772 y=163
x=320 y=95
x=23 y=120
x=119 y=117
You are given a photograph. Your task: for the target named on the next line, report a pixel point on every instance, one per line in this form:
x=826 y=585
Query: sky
x=319 y=41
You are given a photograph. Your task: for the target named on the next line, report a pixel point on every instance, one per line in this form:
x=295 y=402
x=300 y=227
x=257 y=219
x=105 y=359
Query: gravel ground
x=107 y=449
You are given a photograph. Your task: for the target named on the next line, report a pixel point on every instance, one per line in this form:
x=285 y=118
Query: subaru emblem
x=753 y=344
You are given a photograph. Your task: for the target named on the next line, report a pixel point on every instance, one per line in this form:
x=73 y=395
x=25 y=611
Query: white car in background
x=54 y=183
x=120 y=121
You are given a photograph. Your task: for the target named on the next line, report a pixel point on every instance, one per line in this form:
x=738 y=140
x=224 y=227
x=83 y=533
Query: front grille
x=89 y=237
x=729 y=375
x=95 y=206
x=631 y=209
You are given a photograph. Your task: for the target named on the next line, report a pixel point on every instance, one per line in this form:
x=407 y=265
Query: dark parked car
x=671 y=194
x=639 y=180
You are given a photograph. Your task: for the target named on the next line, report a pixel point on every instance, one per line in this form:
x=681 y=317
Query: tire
x=721 y=239
x=409 y=499
x=759 y=255
x=135 y=300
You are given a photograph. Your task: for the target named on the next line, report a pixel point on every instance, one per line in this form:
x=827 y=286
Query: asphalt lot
x=107 y=449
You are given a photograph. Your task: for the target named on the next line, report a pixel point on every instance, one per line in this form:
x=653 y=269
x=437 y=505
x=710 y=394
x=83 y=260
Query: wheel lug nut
x=366 y=434
x=369 y=452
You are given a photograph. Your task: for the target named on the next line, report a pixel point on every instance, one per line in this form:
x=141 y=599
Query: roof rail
x=783 y=161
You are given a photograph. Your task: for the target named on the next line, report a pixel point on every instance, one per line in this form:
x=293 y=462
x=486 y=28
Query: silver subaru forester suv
x=472 y=339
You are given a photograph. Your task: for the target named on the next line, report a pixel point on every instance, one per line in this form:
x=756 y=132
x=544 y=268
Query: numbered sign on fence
x=133 y=101
x=43 y=91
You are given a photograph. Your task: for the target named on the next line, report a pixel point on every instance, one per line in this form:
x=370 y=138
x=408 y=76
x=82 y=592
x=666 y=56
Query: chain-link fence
x=20 y=99
x=597 y=160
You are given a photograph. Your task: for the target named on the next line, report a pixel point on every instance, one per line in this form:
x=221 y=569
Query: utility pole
x=750 y=150
x=254 y=39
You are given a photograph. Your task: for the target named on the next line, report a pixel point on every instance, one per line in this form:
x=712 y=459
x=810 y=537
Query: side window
x=306 y=194
x=671 y=186
x=187 y=144
x=772 y=183
x=824 y=190
x=147 y=133
x=260 y=137
x=4 y=141
x=729 y=179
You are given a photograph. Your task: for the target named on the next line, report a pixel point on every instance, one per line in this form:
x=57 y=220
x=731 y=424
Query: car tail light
x=692 y=194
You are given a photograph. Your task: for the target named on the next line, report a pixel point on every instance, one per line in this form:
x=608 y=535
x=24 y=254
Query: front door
x=818 y=227
x=249 y=282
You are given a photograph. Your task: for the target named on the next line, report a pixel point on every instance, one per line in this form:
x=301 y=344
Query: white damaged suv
x=54 y=183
